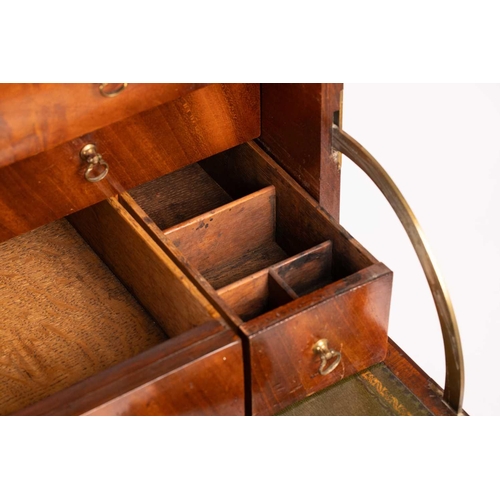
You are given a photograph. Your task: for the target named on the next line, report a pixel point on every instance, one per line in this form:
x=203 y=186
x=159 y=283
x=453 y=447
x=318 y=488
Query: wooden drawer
x=37 y=117
x=51 y=184
x=276 y=267
x=74 y=341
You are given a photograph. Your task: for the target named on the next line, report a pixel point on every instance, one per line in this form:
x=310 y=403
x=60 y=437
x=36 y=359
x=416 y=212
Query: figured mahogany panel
x=296 y=131
x=35 y=117
x=352 y=314
x=197 y=373
x=148 y=145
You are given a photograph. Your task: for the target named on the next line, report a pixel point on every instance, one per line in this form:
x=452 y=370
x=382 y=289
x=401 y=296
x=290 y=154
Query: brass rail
x=454 y=384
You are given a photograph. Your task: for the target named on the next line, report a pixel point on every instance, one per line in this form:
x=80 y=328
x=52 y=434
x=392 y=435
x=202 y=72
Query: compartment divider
x=232 y=241
x=143 y=267
x=282 y=284
x=256 y=294
x=306 y=271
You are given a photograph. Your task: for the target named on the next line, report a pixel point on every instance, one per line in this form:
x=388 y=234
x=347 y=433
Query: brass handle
x=327 y=355
x=113 y=93
x=89 y=154
x=454 y=384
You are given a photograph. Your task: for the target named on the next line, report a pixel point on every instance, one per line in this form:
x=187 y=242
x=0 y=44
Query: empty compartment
x=179 y=196
x=232 y=241
x=300 y=223
x=66 y=316
x=255 y=295
x=307 y=271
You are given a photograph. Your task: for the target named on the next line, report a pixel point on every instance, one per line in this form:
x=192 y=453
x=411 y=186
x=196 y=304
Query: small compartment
x=67 y=316
x=179 y=196
x=256 y=294
x=308 y=271
x=276 y=266
x=232 y=241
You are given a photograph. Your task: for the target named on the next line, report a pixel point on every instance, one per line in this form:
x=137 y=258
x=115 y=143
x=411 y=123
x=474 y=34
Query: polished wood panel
x=296 y=131
x=65 y=316
x=198 y=373
x=148 y=145
x=352 y=314
x=39 y=116
x=143 y=267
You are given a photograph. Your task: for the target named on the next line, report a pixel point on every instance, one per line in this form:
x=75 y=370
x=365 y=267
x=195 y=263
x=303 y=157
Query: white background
x=314 y=41
x=441 y=145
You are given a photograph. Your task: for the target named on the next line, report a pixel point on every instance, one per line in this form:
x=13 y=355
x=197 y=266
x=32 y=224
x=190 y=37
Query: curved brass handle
x=89 y=154
x=327 y=355
x=454 y=384
x=113 y=93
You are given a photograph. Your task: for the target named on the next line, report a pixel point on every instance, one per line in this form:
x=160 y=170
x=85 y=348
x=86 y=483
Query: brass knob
x=90 y=155
x=328 y=356
x=112 y=93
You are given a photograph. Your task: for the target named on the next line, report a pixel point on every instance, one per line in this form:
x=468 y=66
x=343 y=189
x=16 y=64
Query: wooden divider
x=143 y=267
x=232 y=241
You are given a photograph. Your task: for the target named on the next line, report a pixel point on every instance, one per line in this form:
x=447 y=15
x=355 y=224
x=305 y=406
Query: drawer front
x=37 y=117
x=51 y=185
x=198 y=373
x=351 y=315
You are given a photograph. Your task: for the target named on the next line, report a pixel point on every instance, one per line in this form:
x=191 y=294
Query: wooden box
x=207 y=273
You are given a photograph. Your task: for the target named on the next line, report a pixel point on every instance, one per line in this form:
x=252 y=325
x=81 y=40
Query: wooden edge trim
x=281 y=314
x=256 y=149
x=135 y=372
x=417 y=381
x=265 y=193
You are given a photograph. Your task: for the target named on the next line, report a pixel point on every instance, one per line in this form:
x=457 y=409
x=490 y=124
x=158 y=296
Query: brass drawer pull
x=113 y=93
x=94 y=160
x=326 y=354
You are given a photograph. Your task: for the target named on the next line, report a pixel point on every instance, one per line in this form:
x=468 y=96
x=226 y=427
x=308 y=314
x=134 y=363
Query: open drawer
x=310 y=303
x=75 y=341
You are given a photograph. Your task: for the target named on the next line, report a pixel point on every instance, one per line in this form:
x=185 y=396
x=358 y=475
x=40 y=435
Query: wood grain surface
x=352 y=314
x=35 y=117
x=65 y=316
x=145 y=146
x=179 y=196
x=143 y=267
x=231 y=241
x=254 y=295
x=167 y=246
x=197 y=373
x=296 y=131
x=308 y=270
x=300 y=221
